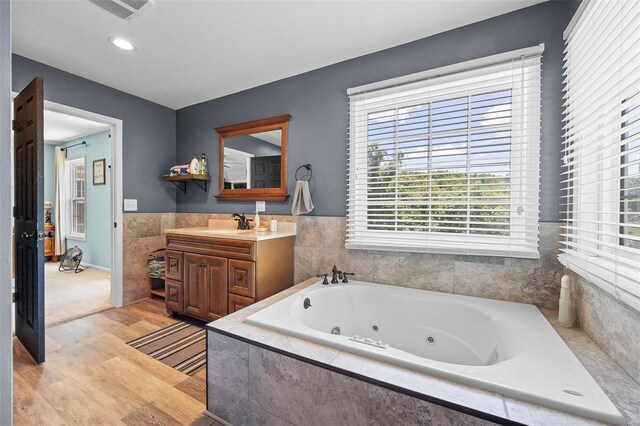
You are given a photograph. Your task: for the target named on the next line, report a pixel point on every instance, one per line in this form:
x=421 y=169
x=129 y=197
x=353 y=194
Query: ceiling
x=60 y=127
x=192 y=51
x=273 y=137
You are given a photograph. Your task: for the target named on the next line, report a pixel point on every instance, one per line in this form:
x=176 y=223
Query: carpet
x=181 y=346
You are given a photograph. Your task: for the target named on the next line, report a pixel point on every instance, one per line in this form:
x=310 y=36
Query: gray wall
x=6 y=360
x=149 y=130
x=317 y=101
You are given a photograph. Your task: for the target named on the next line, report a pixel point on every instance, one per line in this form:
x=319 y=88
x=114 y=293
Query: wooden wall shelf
x=180 y=181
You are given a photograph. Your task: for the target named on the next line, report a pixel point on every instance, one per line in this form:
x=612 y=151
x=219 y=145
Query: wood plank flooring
x=92 y=377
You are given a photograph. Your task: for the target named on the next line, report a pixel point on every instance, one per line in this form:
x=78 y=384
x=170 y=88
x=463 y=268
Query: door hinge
x=15 y=211
x=13 y=297
x=13 y=125
x=115 y=224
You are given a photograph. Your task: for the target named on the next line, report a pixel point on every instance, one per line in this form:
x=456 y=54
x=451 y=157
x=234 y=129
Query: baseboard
x=99 y=268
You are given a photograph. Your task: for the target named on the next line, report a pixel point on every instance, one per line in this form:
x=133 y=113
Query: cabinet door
x=242 y=278
x=215 y=287
x=238 y=302
x=173 y=265
x=173 y=298
x=194 y=297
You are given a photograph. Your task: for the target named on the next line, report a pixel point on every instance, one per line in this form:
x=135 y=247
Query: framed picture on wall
x=99 y=177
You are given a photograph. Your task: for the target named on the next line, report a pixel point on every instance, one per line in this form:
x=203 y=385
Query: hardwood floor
x=91 y=376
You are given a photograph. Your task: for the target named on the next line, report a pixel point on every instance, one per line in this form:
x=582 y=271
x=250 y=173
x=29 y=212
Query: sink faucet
x=243 y=222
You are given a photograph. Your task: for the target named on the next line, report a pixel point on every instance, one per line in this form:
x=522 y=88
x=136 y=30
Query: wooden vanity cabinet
x=208 y=278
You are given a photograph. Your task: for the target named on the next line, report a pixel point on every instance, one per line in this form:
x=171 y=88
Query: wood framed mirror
x=253 y=160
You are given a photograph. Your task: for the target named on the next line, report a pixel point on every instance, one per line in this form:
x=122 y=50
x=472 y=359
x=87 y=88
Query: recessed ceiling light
x=122 y=43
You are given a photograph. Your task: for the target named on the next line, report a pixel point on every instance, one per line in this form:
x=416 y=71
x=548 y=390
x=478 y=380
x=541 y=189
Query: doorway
x=92 y=181
x=77 y=194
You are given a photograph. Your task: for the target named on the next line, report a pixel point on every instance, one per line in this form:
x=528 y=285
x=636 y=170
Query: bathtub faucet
x=343 y=276
x=339 y=275
x=335 y=274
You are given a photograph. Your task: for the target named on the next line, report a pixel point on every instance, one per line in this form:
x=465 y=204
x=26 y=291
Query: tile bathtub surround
x=235 y=340
x=143 y=233
x=271 y=388
x=614 y=326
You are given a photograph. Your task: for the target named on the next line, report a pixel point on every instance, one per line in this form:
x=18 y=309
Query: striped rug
x=181 y=346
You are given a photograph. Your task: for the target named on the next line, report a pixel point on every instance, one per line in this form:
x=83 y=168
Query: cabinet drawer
x=238 y=302
x=242 y=278
x=174 y=296
x=173 y=265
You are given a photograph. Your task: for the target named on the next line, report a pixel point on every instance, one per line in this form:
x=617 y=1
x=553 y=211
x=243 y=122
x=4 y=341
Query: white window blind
x=77 y=199
x=447 y=161
x=602 y=147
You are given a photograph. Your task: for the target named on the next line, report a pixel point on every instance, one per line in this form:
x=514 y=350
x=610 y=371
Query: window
x=448 y=161
x=602 y=147
x=77 y=203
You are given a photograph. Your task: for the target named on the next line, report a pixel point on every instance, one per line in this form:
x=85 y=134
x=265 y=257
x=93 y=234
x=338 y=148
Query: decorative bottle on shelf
x=194 y=166
x=203 y=165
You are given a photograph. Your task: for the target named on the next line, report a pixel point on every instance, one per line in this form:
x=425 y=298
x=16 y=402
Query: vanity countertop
x=223 y=229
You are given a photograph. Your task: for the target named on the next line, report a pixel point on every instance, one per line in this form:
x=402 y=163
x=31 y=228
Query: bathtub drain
x=572 y=392
x=430 y=340
x=335 y=330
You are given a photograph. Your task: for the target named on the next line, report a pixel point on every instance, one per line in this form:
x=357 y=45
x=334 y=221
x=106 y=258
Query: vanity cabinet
x=209 y=277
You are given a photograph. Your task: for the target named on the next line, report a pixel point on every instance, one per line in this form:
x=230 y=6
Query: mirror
x=253 y=160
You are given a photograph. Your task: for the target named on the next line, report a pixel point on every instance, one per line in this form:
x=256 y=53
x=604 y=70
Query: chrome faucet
x=243 y=222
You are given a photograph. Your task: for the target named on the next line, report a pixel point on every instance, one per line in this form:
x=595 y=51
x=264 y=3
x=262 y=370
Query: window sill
x=81 y=238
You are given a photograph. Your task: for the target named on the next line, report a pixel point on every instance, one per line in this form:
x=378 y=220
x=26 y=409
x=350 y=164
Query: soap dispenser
x=257 y=220
x=566 y=315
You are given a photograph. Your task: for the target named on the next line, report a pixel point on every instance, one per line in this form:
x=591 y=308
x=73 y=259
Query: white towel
x=301 y=199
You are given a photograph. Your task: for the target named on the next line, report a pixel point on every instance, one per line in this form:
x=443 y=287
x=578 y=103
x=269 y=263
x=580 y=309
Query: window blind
x=447 y=161
x=602 y=147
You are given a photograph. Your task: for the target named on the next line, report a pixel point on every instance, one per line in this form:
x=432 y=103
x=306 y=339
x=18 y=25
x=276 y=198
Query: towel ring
x=308 y=175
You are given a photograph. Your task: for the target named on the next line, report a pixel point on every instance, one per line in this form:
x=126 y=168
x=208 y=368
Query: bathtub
x=503 y=347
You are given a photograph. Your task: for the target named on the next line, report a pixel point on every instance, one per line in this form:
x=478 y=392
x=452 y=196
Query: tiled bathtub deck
x=237 y=393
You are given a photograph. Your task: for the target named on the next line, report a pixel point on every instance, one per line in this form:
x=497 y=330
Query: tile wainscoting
x=320 y=245
x=613 y=326
x=143 y=233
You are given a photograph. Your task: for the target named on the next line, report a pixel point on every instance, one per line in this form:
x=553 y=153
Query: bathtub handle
x=326 y=280
x=343 y=275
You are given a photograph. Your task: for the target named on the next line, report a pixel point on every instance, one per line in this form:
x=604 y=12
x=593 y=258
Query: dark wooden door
x=28 y=130
x=265 y=172
x=194 y=276
x=215 y=287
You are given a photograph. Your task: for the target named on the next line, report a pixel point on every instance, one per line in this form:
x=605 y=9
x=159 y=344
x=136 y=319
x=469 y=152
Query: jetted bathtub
x=504 y=347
